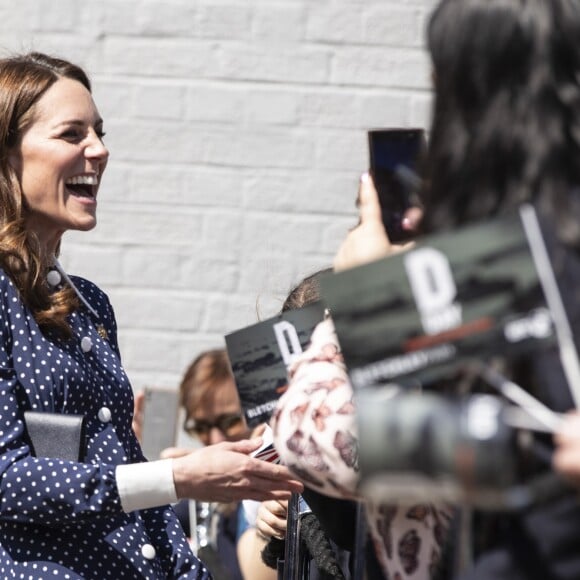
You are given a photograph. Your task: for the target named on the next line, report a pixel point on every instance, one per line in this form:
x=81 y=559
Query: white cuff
x=145 y=485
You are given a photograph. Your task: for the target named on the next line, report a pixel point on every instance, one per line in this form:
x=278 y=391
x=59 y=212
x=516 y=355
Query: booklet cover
x=455 y=297
x=260 y=354
x=267 y=452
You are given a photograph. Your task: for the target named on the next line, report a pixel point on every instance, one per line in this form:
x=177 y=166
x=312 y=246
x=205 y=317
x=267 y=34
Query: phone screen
x=394 y=157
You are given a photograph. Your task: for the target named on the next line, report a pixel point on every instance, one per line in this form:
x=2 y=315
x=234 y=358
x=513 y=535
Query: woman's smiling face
x=60 y=160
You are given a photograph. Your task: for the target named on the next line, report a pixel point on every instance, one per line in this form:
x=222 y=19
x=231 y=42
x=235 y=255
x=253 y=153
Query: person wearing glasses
x=213 y=414
x=210 y=400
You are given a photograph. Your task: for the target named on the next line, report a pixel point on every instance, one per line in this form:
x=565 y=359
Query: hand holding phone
x=367 y=241
x=394 y=157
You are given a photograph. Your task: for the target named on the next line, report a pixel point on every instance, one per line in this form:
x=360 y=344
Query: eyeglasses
x=230 y=425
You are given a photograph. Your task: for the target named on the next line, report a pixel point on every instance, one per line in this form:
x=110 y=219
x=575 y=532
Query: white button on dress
x=148 y=551
x=104 y=414
x=54 y=278
x=86 y=344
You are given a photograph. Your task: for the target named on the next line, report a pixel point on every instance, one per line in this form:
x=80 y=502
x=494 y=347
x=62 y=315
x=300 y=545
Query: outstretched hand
x=225 y=472
x=368 y=241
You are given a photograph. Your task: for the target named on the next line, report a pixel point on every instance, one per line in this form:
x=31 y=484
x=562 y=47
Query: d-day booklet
x=260 y=355
x=459 y=296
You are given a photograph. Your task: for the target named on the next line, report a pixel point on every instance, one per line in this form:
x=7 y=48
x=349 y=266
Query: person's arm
x=47 y=491
x=223 y=472
x=314 y=424
x=249 y=550
x=270 y=522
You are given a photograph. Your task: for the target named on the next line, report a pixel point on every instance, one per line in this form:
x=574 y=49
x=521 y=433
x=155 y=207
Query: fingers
x=258 y=431
x=278 y=508
x=412 y=219
x=368 y=201
x=222 y=473
x=267 y=481
x=245 y=446
x=271 y=472
x=268 y=531
x=264 y=495
x=271 y=521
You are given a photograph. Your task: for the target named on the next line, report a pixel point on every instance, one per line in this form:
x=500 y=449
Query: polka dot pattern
x=61 y=519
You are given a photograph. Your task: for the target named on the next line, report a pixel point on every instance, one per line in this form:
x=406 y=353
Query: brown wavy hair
x=208 y=369
x=24 y=79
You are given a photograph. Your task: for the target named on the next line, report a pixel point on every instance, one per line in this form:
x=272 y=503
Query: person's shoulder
x=6 y=282
x=85 y=284
x=10 y=299
x=94 y=295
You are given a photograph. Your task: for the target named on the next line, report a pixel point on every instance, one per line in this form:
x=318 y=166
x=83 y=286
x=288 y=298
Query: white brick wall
x=237 y=135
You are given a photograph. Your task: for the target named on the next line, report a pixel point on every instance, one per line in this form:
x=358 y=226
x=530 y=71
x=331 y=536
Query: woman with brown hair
x=107 y=515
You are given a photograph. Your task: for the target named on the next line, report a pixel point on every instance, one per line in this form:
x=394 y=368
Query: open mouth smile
x=83 y=185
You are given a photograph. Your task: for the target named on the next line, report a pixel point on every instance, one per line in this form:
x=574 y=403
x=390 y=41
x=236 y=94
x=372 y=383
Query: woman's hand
x=224 y=472
x=271 y=519
x=566 y=458
x=368 y=241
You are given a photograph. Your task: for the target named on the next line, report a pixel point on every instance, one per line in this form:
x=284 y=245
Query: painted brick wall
x=237 y=135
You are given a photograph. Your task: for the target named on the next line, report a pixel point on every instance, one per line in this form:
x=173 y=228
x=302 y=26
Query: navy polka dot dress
x=61 y=519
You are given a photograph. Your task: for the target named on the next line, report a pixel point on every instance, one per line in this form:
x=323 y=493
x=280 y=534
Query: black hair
x=506 y=122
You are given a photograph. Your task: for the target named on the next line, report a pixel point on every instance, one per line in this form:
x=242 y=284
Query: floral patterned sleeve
x=314 y=424
x=315 y=434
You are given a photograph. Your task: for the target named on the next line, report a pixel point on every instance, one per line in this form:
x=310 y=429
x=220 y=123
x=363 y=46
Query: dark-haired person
x=107 y=516
x=330 y=528
x=506 y=131
x=213 y=414
x=315 y=429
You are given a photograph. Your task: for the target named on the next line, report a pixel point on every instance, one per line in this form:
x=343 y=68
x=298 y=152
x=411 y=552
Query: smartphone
x=160 y=414
x=394 y=156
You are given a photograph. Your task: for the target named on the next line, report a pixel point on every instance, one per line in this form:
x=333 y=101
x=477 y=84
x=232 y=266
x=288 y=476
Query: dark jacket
x=62 y=518
x=542 y=542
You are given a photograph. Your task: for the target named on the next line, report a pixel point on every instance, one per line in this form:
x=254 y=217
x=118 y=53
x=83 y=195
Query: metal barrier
x=296 y=565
